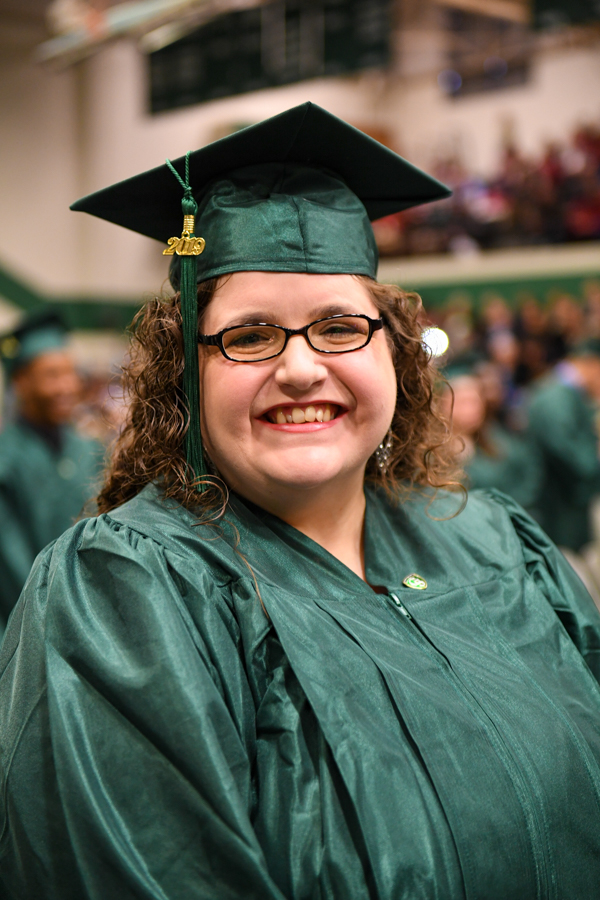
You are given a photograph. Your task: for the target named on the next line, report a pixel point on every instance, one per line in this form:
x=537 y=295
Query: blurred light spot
x=435 y=340
x=495 y=66
x=449 y=81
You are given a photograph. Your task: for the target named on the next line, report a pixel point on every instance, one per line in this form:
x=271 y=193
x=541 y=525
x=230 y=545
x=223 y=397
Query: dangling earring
x=384 y=451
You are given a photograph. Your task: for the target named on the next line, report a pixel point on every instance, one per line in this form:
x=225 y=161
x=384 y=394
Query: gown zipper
x=401 y=606
x=546 y=883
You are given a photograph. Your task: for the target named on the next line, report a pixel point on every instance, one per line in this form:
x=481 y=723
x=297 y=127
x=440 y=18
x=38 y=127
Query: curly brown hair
x=150 y=447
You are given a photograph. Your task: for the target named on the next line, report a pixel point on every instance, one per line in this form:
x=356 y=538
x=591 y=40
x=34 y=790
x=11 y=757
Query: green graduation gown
x=42 y=491
x=515 y=468
x=562 y=425
x=165 y=737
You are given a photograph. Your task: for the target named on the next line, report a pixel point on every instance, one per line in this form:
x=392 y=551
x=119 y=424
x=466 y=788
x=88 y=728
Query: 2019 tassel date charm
x=187 y=244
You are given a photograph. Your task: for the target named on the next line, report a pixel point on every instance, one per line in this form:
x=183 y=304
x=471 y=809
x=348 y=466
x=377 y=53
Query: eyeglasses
x=255 y=343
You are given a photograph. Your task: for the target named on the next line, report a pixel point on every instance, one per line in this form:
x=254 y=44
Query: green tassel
x=189 y=323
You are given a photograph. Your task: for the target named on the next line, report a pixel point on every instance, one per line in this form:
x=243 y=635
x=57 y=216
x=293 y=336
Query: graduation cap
x=294 y=193
x=588 y=347
x=465 y=363
x=40 y=332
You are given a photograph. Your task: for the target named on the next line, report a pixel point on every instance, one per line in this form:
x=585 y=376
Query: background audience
x=551 y=200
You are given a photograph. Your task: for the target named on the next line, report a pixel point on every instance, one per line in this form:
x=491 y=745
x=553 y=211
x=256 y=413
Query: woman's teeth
x=297 y=415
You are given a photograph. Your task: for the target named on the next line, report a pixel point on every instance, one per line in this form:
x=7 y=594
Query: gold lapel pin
x=415 y=582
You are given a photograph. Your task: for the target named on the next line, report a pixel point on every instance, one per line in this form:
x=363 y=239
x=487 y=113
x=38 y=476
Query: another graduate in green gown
x=47 y=469
x=272 y=667
x=563 y=423
x=491 y=455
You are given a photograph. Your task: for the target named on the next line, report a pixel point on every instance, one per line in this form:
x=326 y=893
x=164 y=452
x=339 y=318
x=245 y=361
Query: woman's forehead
x=272 y=296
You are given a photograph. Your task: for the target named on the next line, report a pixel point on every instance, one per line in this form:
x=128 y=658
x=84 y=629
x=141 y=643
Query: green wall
x=512 y=290
x=79 y=312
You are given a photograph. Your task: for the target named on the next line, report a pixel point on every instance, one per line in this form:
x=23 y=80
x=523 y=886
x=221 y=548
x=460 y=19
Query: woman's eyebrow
x=250 y=318
x=319 y=312
x=332 y=309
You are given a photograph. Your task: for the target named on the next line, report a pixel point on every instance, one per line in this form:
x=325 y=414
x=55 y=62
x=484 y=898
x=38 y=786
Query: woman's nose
x=299 y=365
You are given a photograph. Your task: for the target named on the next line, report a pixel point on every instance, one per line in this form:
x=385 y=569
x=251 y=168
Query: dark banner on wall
x=279 y=43
x=552 y=13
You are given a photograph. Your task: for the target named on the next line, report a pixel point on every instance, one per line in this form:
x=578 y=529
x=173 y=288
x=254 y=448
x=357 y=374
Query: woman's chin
x=306 y=477
x=277 y=475
x=306 y=481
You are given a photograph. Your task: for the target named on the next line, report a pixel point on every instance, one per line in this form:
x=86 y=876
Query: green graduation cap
x=295 y=193
x=464 y=363
x=40 y=332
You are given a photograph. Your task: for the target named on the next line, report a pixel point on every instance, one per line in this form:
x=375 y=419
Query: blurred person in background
x=538 y=347
x=567 y=324
x=496 y=318
x=102 y=408
x=491 y=456
x=47 y=469
x=530 y=320
x=563 y=411
x=591 y=296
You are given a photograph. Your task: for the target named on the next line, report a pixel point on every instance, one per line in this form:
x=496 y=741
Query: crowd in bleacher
x=552 y=199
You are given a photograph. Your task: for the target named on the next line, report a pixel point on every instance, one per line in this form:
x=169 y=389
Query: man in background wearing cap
x=47 y=469
x=562 y=421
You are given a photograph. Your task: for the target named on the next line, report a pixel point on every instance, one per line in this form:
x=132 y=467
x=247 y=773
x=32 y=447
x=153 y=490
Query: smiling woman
x=391 y=376
x=278 y=664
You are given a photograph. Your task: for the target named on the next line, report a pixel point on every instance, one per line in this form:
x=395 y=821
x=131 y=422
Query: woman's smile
x=311 y=416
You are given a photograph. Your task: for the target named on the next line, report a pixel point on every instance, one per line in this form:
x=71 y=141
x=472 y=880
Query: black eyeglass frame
x=216 y=340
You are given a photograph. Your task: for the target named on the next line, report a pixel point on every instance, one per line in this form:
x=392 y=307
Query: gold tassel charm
x=9 y=347
x=187 y=244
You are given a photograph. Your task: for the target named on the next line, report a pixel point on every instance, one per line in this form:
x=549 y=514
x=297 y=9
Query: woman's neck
x=332 y=517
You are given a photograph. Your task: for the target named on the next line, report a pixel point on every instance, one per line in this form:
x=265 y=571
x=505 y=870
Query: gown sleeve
x=558 y=581
x=127 y=753
x=554 y=419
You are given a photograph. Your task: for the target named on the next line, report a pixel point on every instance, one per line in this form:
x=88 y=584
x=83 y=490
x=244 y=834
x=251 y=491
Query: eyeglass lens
x=337 y=335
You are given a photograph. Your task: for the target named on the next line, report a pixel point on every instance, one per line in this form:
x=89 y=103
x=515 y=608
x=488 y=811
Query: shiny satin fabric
x=510 y=463
x=163 y=738
x=282 y=217
x=562 y=426
x=42 y=492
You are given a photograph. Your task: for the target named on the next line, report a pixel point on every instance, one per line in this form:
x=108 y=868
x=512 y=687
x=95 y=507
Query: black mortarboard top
x=40 y=332
x=294 y=193
x=150 y=203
